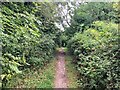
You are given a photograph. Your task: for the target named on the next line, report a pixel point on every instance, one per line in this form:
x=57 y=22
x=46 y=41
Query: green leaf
x=14 y=68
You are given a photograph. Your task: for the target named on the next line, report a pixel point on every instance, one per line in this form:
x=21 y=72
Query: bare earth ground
x=60 y=76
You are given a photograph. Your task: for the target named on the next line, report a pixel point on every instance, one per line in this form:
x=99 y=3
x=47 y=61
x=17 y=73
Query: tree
x=87 y=13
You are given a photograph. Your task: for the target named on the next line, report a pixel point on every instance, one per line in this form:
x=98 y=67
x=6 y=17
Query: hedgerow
x=25 y=38
x=97 y=56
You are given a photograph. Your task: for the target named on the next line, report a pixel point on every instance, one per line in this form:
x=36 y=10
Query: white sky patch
x=59 y=26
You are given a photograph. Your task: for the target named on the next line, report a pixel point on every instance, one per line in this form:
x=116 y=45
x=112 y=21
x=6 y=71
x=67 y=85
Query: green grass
x=71 y=73
x=39 y=78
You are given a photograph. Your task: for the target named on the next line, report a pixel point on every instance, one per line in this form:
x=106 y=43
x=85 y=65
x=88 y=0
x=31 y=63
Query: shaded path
x=60 y=76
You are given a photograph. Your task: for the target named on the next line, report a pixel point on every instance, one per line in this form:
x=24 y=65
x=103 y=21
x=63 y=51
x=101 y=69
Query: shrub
x=96 y=50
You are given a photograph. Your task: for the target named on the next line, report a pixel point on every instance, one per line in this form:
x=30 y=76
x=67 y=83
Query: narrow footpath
x=60 y=75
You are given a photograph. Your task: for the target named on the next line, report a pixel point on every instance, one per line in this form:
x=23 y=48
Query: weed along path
x=60 y=75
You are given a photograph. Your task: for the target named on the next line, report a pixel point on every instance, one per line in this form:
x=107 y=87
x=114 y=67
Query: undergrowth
x=35 y=78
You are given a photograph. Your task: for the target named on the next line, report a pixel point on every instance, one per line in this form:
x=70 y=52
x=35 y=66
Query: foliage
x=90 y=12
x=96 y=51
x=27 y=36
x=87 y=13
x=34 y=78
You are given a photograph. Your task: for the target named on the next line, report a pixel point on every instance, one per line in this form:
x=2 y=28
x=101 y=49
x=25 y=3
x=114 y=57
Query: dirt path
x=60 y=76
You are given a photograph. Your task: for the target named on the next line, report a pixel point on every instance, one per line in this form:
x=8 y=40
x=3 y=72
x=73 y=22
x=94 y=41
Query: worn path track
x=60 y=76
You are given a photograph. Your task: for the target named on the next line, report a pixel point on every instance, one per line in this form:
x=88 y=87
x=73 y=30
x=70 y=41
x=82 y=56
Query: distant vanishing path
x=60 y=76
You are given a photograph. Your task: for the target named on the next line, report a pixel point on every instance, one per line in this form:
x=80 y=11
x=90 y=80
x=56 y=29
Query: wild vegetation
x=30 y=36
x=96 y=53
x=95 y=46
x=27 y=37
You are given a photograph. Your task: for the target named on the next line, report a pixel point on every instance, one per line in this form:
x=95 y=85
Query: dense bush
x=43 y=52
x=96 y=51
x=27 y=37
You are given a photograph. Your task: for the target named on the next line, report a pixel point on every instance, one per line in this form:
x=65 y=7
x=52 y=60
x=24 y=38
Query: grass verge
x=39 y=78
x=71 y=73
